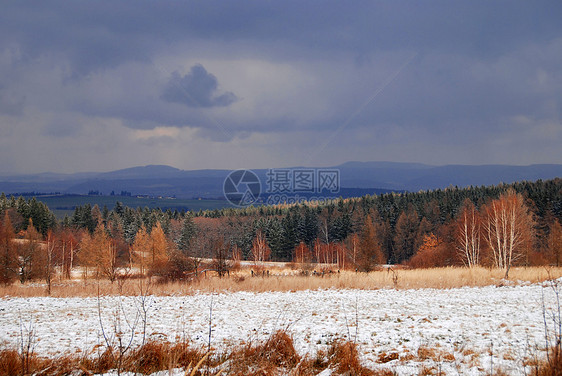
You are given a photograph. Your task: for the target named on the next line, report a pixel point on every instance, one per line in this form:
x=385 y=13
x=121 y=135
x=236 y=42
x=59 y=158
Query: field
x=400 y=326
x=62 y=205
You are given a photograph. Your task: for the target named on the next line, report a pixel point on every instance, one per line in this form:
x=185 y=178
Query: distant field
x=62 y=205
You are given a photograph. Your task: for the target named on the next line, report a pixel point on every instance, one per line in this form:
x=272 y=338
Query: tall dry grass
x=281 y=280
x=274 y=356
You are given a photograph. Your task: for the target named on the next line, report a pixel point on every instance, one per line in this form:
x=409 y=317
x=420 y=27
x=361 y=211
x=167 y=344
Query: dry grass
x=437 y=355
x=280 y=280
x=275 y=356
x=149 y=358
x=265 y=358
x=10 y=363
x=343 y=357
x=552 y=366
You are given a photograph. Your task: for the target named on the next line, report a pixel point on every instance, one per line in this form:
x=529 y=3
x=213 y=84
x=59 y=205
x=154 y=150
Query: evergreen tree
x=3 y=203
x=405 y=237
x=188 y=232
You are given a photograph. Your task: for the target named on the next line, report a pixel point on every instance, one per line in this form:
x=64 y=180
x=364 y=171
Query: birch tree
x=260 y=248
x=468 y=238
x=508 y=229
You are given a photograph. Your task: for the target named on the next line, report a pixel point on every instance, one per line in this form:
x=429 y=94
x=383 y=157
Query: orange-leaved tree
x=302 y=254
x=370 y=249
x=29 y=262
x=8 y=253
x=98 y=252
x=140 y=250
x=159 y=250
x=150 y=252
x=428 y=255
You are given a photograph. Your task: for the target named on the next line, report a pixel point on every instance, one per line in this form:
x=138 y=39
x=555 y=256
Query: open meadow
x=437 y=321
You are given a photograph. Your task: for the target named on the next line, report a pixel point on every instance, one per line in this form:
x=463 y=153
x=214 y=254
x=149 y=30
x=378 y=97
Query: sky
x=105 y=85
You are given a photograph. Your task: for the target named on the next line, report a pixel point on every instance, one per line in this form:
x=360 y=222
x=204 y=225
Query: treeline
x=21 y=211
x=504 y=225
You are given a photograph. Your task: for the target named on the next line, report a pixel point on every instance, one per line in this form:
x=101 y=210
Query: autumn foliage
x=499 y=227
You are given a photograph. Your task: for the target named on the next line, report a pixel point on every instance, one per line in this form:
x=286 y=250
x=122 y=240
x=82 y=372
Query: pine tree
x=188 y=232
x=405 y=238
x=3 y=202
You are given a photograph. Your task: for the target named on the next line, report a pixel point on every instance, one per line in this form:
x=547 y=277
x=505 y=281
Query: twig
x=210 y=333
x=356 y=319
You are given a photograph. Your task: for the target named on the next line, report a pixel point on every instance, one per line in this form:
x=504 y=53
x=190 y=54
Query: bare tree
x=119 y=337
x=26 y=345
x=302 y=254
x=508 y=229
x=221 y=262
x=48 y=260
x=144 y=302
x=260 y=249
x=66 y=251
x=555 y=242
x=468 y=238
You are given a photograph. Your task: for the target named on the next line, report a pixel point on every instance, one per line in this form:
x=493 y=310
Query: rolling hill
x=355 y=178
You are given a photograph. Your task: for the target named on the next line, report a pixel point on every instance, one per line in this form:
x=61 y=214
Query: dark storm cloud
x=107 y=33
x=198 y=88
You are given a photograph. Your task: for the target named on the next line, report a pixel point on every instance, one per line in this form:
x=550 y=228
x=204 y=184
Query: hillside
x=377 y=177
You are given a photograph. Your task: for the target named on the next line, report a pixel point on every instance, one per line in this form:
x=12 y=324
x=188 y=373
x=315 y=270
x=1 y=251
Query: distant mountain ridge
x=162 y=180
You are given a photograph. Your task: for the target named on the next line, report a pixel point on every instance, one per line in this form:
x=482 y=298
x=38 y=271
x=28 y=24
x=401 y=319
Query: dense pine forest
x=499 y=226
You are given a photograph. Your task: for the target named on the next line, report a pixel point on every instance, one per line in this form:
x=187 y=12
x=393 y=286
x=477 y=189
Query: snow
x=501 y=325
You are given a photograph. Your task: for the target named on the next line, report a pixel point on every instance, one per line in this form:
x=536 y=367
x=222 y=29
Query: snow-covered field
x=482 y=328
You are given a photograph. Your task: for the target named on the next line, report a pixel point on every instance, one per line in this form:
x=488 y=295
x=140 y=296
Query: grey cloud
x=11 y=103
x=63 y=127
x=104 y=33
x=311 y=66
x=198 y=88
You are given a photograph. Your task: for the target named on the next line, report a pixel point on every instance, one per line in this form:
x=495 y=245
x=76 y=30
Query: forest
x=496 y=226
